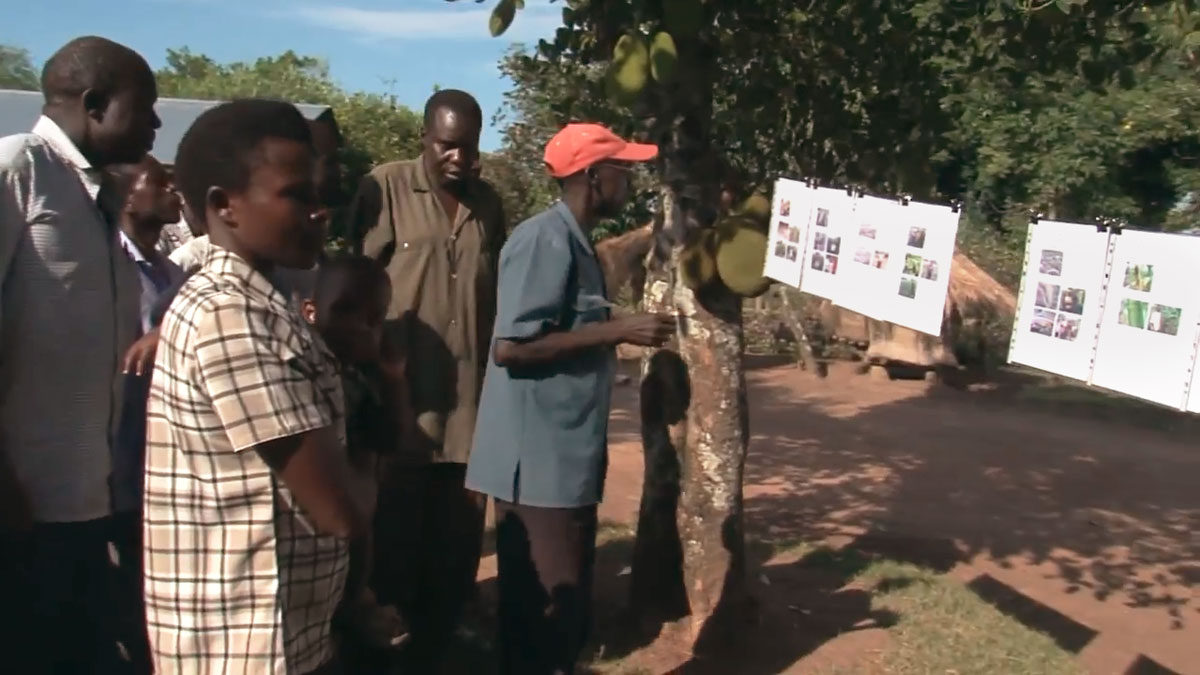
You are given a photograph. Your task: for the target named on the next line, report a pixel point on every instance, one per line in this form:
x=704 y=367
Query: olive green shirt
x=443 y=274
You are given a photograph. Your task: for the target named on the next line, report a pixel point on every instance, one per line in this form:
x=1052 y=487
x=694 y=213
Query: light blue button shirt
x=541 y=437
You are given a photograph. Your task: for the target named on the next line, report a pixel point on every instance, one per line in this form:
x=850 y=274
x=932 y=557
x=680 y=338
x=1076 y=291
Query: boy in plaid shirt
x=250 y=502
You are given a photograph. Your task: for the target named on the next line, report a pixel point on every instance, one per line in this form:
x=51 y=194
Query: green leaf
x=502 y=17
x=1192 y=40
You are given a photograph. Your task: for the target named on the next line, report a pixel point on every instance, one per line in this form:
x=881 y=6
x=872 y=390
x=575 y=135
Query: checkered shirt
x=237 y=580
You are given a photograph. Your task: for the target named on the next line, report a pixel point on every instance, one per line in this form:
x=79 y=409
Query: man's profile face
x=451 y=147
x=123 y=123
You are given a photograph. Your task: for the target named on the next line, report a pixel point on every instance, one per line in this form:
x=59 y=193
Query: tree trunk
x=694 y=417
x=794 y=318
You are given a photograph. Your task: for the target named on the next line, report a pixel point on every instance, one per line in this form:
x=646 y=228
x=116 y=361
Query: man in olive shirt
x=438 y=229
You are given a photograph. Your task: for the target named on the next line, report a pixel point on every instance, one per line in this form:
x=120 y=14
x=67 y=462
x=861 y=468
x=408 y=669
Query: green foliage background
x=1072 y=108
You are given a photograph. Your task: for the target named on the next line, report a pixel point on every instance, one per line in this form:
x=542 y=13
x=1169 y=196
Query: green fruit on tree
x=756 y=206
x=502 y=16
x=741 y=256
x=629 y=71
x=664 y=60
x=683 y=17
x=697 y=263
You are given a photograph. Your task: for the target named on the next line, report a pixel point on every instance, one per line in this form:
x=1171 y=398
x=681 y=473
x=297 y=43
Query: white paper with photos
x=1148 y=328
x=831 y=221
x=1063 y=285
x=790 y=214
x=918 y=300
x=874 y=254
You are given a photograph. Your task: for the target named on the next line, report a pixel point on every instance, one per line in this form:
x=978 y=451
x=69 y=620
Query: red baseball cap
x=579 y=146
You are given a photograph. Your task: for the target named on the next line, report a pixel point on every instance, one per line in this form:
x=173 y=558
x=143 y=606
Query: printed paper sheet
x=831 y=221
x=1147 y=340
x=929 y=232
x=1059 y=314
x=790 y=213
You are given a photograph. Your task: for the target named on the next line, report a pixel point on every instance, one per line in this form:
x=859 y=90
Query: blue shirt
x=158 y=276
x=541 y=437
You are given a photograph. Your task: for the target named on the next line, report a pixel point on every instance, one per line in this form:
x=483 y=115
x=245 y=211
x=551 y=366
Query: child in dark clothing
x=347 y=308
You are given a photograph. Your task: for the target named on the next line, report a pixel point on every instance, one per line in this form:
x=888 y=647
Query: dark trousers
x=73 y=606
x=546 y=558
x=428 y=538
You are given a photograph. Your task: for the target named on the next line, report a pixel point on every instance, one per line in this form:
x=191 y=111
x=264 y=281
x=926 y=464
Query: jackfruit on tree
x=697 y=262
x=755 y=208
x=741 y=256
x=626 y=77
x=502 y=16
x=664 y=59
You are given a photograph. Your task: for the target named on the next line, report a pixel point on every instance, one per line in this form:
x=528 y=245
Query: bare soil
x=1076 y=514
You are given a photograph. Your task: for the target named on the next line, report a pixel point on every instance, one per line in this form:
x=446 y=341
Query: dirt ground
x=1081 y=520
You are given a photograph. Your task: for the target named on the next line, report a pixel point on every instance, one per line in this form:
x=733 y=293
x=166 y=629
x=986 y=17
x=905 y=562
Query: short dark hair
x=223 y=145
x=90 y=62
x=117 y=185
x=455 y=100
x=351 y=267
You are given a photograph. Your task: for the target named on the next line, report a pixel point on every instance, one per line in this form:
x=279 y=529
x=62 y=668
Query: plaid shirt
x=237 y=580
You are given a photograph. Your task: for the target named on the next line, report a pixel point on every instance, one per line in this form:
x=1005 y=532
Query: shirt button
x=453 y=275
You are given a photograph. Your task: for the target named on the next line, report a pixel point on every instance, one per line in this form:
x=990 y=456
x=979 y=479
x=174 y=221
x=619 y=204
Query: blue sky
x=404 y=47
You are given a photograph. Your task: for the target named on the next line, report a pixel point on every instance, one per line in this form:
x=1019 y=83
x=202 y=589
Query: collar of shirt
x=564 y=212
x=422 y=182
x=56 y=138
x=152 y=268
x=228 y=265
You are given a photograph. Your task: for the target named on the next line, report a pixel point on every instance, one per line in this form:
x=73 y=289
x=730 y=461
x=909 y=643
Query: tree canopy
x=16 y=70
x=1073 y=109
x=375 y=127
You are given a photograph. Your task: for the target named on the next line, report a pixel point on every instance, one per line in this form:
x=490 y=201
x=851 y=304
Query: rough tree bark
x=696 y=427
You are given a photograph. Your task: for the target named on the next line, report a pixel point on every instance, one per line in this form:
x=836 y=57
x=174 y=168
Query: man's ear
x=95 y=103
x=308 y=310
x=217 y=201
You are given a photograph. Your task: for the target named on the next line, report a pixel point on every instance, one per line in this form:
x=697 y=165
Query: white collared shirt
x=68 y=312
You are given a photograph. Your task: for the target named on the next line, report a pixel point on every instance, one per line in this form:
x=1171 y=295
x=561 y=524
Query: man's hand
x=645 y=330
x=139 y=360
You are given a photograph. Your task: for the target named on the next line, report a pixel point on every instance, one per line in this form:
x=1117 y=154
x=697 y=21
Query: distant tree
x=376 y=128
x=16 y=70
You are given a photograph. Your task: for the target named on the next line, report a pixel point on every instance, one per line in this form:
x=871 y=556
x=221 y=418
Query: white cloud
x=451 y=22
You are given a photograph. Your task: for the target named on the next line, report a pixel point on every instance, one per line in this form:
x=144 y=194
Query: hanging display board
x=833 y=220
x=1147 y=342
x=790 y=214
x=1117 y=309
x=874 y=258
x=883 y=258
x=1062 y=291
x=928 y=232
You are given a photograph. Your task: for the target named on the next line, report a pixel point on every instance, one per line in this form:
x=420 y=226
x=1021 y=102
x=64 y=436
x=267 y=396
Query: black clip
x=904 y=199
x=1034 y=217
x=849 y=190
x=1116 y=226
x=956 y=205
x=1101 y=224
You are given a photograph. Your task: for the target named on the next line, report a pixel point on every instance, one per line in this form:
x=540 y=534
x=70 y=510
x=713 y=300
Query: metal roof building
x=20 y=109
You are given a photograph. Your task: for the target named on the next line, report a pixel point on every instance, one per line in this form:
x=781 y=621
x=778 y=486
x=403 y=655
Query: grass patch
x=943 y=627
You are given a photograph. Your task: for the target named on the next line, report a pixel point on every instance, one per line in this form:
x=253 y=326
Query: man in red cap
x=540 y=445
